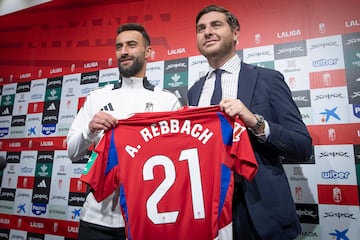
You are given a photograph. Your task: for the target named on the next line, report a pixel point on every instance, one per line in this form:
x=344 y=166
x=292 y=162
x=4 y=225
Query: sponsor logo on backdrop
x=352 y=23
x=325 y=44
x=49 y=118
x=258 y=54
x=338 y=215
x=176 y=73
x=302 y=98
x=57 y=211
x=4 y=132
x=332 y=174
x=38 y=208
x=75 y=213
x=45 y=156
x=91 y=65
x=78 y=171
x=21 y=98
x=6 y=111
x=257 y=38
x=288 y=34
x=25 y=75
x=323 y=62
x=76 y=199
x=56 y=70
x=297 y=174
x=290 y=50
x=340 y=234
x=331 y=134
x=176 y=51
x=354 y=96
x=18 y=121
x=72 y=80
x=26 y=182
x=43 y=170
x=338 y=194
x=13 y=157
x=356 y=110
x=329 y=78
x=21 y=208
x=23 y=87
x=8 y=100
x=7 y=194
x=307 y=213
x=9 y=89
x=322 y=28
x=55 y=82
x=41 y=190
x=89 y=77
x=17 y=132
x=357 y=154
x=291 y=66
x=328 y=114
x=53 y=94
x=333 y=155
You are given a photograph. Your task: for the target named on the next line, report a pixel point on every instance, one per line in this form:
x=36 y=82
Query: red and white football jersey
x=175 y=172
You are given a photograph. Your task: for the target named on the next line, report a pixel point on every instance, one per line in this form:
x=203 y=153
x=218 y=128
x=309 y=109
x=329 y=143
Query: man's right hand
x=102 y=121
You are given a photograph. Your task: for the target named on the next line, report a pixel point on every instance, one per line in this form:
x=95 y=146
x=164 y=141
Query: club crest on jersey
x=238 y=130
x=149 y=107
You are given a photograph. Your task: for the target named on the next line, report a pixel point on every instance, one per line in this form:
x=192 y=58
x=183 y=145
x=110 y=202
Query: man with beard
x=101 y=111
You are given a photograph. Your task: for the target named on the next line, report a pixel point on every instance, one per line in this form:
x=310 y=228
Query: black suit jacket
x=268 y=196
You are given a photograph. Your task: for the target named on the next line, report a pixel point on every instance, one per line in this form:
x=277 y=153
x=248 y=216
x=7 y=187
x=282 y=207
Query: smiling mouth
x=125 y=60
x=209 y=42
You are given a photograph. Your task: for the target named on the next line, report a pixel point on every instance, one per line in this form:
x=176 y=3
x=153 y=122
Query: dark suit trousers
x=243 y=227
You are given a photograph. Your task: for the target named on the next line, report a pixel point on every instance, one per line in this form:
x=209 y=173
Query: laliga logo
x=238 y=130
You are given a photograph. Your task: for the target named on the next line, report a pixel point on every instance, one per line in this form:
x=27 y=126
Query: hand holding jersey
x=183 y=190
x=102 y=108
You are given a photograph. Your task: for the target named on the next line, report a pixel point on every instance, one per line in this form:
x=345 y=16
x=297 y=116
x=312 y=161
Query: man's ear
x=236 y=34
x=148 y=52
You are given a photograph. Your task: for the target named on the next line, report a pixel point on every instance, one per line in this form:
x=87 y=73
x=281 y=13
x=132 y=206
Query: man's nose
x=124 y=50
x=208 y=31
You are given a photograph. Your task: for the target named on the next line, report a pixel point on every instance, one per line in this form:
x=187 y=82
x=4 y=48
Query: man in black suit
x=263 y=208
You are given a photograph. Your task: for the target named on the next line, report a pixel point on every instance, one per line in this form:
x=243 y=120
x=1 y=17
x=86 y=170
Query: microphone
x=3 y=163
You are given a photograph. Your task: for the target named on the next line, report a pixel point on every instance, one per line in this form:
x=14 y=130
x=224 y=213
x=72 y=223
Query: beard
x=133 y=69
x=223 y=50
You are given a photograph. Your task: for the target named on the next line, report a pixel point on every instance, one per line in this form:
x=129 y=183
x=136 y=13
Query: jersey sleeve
x=101 y=170
x=241 y=149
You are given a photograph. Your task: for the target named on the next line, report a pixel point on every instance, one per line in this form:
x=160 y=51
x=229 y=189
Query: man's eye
x=200 y=29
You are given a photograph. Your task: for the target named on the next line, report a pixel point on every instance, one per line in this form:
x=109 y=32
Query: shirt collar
x=231 y=66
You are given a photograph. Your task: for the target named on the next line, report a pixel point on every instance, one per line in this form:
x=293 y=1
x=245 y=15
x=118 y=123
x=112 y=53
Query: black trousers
x=90 y=231
x=243 y=227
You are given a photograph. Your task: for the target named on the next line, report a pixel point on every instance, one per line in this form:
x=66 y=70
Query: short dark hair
x=136 y=27
x=230 y=18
